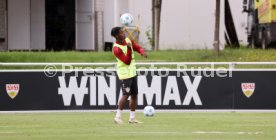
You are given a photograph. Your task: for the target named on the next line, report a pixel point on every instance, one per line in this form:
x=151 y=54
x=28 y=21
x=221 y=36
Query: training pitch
x=163 y=126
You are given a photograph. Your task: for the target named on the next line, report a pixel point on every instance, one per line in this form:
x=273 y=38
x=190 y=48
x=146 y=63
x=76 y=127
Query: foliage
x=150 y=37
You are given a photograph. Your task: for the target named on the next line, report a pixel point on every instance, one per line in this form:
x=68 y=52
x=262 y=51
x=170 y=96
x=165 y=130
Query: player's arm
x=139 y=49
x=121 y=56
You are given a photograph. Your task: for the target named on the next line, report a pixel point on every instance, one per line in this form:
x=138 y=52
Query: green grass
x=227 y=55
x=163 y=126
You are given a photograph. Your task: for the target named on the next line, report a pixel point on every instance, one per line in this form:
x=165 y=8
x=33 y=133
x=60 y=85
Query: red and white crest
x=248 y=89
x=12 y=90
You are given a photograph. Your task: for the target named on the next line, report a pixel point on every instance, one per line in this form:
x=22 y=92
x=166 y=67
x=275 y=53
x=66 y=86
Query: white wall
x=38 y=25
x=115 y=8
x=142 y=9
x=122 y=7
x=240 y=20
x=85 y=37
x=109 y=19
x=189 y=24
x=185 y=24
x=18 y=24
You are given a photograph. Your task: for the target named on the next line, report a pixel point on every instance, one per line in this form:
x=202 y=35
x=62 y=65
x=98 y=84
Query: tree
x=156 y=16
x=217 y=27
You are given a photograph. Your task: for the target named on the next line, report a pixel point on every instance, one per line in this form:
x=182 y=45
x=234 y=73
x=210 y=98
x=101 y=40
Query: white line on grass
x=222 y=132
x=8 y=132
x=149 y=132
x=259 y=125
x=140 y=110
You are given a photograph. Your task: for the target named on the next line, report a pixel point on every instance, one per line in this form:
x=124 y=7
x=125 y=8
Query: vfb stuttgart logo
x=248 y=89
x=12 y=90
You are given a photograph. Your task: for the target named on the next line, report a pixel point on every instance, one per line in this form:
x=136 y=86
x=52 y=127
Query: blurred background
x=85 y=25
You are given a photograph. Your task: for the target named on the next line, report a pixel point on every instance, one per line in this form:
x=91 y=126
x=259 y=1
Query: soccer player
x=124 y=49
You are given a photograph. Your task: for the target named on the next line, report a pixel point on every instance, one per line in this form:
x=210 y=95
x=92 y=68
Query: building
x=85 y=24
x=51 y=24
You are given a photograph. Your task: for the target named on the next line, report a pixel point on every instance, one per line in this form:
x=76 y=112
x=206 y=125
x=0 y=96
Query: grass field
x=163 y=126
x=227 y=55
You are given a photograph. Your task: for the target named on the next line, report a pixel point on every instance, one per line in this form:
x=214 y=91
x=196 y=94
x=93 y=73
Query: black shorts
x=129 y=86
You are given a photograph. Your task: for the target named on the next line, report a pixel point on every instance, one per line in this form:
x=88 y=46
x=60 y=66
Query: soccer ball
x=126 y=19
x=149 y=111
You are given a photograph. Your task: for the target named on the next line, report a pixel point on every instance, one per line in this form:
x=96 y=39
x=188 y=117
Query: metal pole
x=217 y=28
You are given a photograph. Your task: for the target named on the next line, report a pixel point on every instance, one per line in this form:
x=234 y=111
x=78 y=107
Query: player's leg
x=132 y=105
x=121 y=105
x=133 y=101
x=126 y=90
x=122 y=102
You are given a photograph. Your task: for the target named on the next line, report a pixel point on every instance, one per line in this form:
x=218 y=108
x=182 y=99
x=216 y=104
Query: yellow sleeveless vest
x=125 y=71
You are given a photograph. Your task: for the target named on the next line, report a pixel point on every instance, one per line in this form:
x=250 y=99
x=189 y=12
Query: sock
x=118 y=114
x=132 y=115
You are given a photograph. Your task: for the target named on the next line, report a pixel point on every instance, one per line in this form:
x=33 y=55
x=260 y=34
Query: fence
x=182 y=89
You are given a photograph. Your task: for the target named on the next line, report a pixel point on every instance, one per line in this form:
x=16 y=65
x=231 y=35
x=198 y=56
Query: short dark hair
x=115 y=31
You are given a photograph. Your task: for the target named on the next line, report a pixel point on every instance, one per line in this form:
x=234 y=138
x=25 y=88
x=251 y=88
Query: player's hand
x=145 y=55
x=129 y=45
